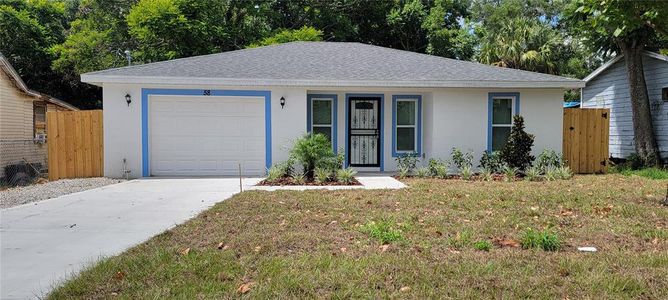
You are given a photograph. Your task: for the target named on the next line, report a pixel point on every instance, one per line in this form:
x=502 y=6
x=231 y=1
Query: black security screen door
x=364 y=133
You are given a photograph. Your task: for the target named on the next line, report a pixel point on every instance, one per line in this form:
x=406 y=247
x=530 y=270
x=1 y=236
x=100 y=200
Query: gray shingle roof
x=328 y=63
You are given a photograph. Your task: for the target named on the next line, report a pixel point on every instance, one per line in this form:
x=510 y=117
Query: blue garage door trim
x=197 y=92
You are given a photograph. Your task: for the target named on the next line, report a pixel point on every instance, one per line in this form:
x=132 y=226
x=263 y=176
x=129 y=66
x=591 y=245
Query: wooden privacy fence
x=74 y=141
x=586 y=134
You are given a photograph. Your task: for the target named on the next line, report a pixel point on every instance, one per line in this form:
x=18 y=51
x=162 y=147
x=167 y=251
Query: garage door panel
x=200 y=136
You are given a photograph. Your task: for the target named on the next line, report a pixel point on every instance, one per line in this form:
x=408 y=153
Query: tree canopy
x=52 y=42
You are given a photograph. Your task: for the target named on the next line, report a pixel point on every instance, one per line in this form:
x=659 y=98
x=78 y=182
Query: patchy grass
x=652 y=173
x=313 y=244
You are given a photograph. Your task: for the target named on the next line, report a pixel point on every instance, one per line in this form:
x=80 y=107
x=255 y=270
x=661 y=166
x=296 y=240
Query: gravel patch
x=52 y=189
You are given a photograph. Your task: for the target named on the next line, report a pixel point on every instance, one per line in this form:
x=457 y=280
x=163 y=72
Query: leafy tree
x=286 y=35
x=628 y=28
x=517 y=151
x=445 y=34
x=527 y=34
x=167 y=29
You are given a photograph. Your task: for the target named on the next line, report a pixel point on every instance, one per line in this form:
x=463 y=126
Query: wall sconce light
x=282 y=102
x=128 y=99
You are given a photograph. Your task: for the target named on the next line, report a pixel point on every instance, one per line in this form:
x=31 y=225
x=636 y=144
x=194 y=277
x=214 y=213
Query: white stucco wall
x=451 y=118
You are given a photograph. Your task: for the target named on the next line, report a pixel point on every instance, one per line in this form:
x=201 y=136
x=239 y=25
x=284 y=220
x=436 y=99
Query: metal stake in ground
x=241 y=189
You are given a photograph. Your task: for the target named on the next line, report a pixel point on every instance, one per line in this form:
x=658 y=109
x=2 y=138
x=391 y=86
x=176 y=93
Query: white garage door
x=206 y=135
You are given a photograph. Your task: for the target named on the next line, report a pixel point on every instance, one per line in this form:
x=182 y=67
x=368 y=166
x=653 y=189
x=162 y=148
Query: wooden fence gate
x=586 y=135
x=75 y=142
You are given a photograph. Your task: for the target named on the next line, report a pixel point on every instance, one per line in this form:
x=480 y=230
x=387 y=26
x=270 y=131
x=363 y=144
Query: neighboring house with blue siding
x=608 y=87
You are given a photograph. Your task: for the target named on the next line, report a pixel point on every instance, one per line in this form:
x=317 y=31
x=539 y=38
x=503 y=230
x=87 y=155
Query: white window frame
x=513 y=100
x=414 y=126
x=331 y=122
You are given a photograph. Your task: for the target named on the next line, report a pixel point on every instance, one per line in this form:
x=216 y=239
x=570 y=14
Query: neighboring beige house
x=23 y=119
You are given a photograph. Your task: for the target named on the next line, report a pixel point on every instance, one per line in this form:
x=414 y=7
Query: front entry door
x=364 y=134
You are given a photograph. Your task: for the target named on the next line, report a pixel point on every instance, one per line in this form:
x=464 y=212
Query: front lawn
x=327 y=244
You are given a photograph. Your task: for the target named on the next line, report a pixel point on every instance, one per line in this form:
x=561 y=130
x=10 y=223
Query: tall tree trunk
x=643 y=131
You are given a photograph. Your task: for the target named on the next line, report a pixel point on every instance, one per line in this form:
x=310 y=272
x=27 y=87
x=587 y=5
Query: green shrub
x=509 y=173
x=422 y=172
x=517 y=151
x=286 y=167
x=274 y=173
x=403 y=173
x=548 y=158
x=437 y=167
x=486 y=175
x=551 y=173
x=299 y=179
x=491 y=161
x=441 y=171
x=345 y=175
x=564 y=173
x=332 y=163
x=384 y=231
x=545 y=240
x=406 y=162
x=483 y=245
x=321 y=175
x=310 y=150
x=532 y=174
x=467 y=172
x=461 y=159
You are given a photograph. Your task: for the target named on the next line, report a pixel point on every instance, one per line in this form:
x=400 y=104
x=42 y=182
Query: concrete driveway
x=44 y=243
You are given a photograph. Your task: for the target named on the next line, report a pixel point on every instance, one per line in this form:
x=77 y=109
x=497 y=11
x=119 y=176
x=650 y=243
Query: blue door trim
x=418 y=147
x=334 y=98
x=381 y=112
x=145 y=93
x=490 y=108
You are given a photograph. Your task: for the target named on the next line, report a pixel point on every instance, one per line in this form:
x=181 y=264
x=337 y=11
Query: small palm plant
x=321 y=175
x=509 y=173
x=346 y=175
x=532 y=174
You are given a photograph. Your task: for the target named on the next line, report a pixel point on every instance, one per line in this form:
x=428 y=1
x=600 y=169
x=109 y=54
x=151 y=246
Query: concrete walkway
x=43 y=243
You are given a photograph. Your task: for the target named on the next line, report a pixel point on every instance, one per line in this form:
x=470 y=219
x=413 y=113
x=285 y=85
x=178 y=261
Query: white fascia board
x=602 y=68
x=99 y=79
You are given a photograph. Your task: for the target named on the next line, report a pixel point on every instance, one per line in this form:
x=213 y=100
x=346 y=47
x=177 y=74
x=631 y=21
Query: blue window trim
x=418 y=147
x=490 y=108
x=335 y=105
x=380 y=125
x=145 y=93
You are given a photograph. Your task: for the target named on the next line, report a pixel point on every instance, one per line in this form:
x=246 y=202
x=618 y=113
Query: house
x=206 y=115
x=608 y=87
x=23 y=120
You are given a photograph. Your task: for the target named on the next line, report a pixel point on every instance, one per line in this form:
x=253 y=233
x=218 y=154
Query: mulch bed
x=290 y=181
x=495 y=177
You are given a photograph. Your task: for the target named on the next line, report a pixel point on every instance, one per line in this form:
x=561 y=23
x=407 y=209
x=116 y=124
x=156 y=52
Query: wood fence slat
x=585 y=146
x=75 y=144
x=51 y=139
x=566 y=145
x=576 y=142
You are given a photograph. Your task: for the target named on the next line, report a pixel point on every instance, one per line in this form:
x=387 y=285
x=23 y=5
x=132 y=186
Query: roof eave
x=101 y=79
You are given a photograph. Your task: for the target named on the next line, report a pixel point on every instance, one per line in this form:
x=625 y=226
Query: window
x=39 y=118
x=322 y=116
x=406 y=118
x=503 y=107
